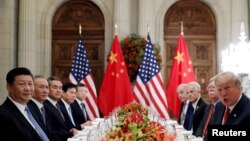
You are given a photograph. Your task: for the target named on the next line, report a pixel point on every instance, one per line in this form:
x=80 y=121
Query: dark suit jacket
x=218 y=114
x=198 y=115
x=36 y=113
x=55 y=123
x=77 y=113
x=240 y=115
x=215 y=119
x=14 y=126
x=68 y=121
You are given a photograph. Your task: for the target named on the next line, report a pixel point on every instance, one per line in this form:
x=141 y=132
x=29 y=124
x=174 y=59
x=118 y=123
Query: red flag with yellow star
x=181 y=72
x=116 y=89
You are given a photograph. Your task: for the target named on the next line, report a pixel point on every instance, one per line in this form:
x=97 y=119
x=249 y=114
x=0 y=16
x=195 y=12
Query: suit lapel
x=20 y=117
x=36 y=113
x=54 y=111
x=65 y=114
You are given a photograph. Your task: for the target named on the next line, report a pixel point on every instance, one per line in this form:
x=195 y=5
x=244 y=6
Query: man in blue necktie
x=15 y=123
x=196 y=108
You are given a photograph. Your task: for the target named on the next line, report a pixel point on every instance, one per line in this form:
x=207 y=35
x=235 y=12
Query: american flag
x=81 y=73
x=149 y=87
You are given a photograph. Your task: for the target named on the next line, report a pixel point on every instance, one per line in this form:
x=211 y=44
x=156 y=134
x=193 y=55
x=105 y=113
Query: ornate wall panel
x=65 y=32
x=200 y=36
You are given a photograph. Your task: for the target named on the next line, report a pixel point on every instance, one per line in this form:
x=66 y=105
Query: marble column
x=239 y=14
x=248 y=18
x=122 y=18
x=27 y=34
x=8 y=42
x=146 y=18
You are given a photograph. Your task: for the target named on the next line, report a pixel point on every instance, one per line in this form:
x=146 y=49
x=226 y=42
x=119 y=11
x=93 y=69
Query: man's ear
x=8 y=86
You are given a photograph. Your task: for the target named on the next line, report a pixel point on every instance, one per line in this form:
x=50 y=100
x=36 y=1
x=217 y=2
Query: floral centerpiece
x=133 y=124
x=133 y=48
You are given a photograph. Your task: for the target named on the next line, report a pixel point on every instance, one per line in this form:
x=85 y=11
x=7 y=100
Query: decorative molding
x=85 y=13
x=195 y=16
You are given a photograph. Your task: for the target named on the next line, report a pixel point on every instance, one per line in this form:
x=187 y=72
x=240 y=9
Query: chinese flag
x=181 y=72
x=116 y=89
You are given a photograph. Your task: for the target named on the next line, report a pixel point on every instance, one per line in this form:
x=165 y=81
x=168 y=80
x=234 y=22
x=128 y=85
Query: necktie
x=83 y=110
x=43 y=114
x=37 y=127
x=183 y=113
x=70 y=115
x=59 y=110
x=189 y=118
x=226 y=115
x=211 y=111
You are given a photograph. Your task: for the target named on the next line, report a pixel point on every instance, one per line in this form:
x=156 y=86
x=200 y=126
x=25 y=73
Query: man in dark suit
x=229 y=88
x=16 y=121
x=196 y=107
x=212 y=112
x=69 y=96
x=54 y=119
x=78 y=107
x=183 y=96
x=36 y=103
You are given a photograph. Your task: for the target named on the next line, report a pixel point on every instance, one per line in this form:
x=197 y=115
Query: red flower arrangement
x=133 y=48
x=133 y=124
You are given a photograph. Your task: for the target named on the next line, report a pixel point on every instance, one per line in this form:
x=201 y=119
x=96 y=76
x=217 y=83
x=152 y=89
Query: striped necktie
x=59 y=110
x=211 y=111
x=43 y=114
x=37 y=127
x=84 y=110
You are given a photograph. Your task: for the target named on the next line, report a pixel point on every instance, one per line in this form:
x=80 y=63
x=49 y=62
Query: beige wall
x=34 y=42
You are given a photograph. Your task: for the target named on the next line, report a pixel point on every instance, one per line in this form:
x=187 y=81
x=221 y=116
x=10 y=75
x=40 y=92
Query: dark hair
x=67 y=86
x=51 y=78
x=12 y=74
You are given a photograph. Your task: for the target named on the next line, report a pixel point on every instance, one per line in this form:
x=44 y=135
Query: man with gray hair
x=183 y=96
x=196 y=107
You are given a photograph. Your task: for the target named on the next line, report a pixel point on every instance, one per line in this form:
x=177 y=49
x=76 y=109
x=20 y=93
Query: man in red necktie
x=209 y=117
x=229 y=88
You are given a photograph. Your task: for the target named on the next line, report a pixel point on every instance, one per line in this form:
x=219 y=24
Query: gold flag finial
x=80 y=29
x=148 y=28
x=182 y=33
x=115 y=29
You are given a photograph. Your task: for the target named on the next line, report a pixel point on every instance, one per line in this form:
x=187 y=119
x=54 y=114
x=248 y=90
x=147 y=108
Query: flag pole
x=147 y=28
x=80 y=29
x=182 y=33
x=115 y=29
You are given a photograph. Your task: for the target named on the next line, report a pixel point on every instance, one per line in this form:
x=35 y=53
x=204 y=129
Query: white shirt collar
x=79 y=101
x=39 y=105
x=53 y=102
x=66 y=104
x=19 y=106
x=195 y=103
